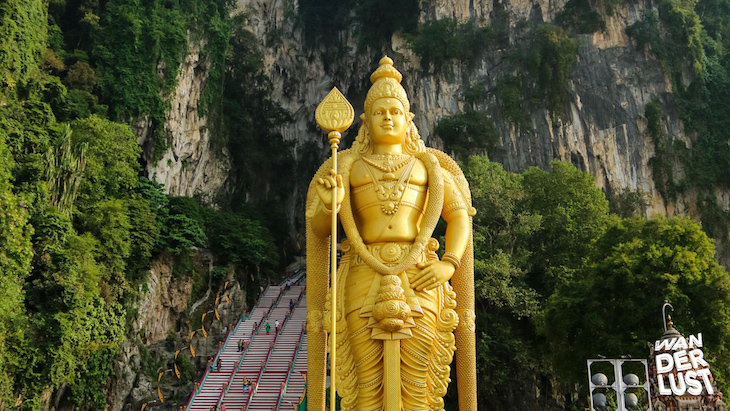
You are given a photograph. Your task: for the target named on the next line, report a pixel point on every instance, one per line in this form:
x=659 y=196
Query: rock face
x=190 y=166
x=604 y=131
x=163 y=301
x=164 y=311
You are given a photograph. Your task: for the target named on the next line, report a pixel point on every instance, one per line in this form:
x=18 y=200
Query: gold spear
x=334 y=115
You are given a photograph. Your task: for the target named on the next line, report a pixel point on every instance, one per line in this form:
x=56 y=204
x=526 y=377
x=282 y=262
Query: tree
x=112 y=159
x=505 y=303
x=612 y=307
x=574 y=213
x=16 y=253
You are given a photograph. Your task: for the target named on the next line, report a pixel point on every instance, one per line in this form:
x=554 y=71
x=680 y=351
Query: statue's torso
x=390 y=208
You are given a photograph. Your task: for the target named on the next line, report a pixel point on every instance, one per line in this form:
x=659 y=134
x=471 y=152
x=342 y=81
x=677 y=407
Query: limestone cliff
x=190 y=165
x=162 y=325
x=611 y=82
x=604 y=131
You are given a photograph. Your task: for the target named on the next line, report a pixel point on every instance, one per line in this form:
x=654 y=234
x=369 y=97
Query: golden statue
x=399 y=321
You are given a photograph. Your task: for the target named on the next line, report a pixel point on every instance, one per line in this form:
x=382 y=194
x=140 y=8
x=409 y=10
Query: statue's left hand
x=432 y=275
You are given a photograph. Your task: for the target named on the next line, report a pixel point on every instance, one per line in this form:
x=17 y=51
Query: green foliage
x=16 y=253
x=441 y=42
x=681 y=47
x=181 y=233
x=579 y=17
x=688 y=40
x=511 y=99
x=108 y=221
x=322 y=19
x=376 y=22
x=549 y=60
x=574 y=212
x=78 y=226
x=112 y=153
x=661 y=164
x=23 y=41
x=626 y=203
x=646 y=32
x=468 y=131
x=186 y=368
x=181 y=225
x=241 y=241
x=634 y=266
x=90 y=388
x=551 y=263
x=143 y=233
x=685 y=33
x=134 y=83
x=245 y=120
x=499 y=239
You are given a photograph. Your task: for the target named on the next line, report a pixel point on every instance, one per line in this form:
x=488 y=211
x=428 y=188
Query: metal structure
x=623 y=385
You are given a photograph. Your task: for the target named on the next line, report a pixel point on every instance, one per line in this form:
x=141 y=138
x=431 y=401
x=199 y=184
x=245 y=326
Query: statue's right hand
x=324 y=189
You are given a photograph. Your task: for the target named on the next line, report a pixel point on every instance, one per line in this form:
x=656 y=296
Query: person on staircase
x=291 y=305
x=277 y=327
x=268 y=328
x=219 y=364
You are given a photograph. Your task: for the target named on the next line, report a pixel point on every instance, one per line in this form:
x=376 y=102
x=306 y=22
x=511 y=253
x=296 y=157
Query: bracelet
x=328 y=211
x=451 y=258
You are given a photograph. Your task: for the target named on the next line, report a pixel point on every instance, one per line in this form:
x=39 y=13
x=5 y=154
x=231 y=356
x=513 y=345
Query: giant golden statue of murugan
x=399 y=321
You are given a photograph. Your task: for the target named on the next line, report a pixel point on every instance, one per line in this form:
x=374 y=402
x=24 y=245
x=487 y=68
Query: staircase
x=272 y=362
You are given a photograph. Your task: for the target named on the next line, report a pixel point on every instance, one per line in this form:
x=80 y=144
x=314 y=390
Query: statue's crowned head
x=386 y=81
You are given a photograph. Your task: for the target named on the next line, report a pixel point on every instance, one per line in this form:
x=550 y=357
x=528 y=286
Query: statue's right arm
x=322 y=219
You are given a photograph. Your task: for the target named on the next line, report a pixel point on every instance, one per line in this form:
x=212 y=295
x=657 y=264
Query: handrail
x=202 y=381
x=246 y=317
x=291 y=368
x=258 y=377
x=227 y=385
x=271 y=347
x=296 y=351
x=207 y=368
x=254 y=332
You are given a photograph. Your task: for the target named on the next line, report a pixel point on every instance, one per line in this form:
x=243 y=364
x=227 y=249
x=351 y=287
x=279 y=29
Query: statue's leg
x=368 y=358
x=425 y=357
x=366 y=353
x=415 y=360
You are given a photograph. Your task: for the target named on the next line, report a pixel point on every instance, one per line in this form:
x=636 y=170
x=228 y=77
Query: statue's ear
x=362 y=117
x=411 y=115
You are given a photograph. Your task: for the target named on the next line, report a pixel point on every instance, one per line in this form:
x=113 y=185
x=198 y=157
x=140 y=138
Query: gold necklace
x=387 y=166
x=388 y=191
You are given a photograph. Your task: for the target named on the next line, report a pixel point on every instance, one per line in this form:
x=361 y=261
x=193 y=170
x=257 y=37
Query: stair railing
x=207 y=368
x=291 y=368
x=264 y=362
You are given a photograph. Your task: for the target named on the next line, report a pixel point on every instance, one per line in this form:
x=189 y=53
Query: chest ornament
x=388 y=190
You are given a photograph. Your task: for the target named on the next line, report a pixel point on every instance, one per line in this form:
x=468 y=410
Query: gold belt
x=388 y=253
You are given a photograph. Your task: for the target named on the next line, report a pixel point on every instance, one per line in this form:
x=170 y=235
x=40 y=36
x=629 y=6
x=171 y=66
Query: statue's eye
x=378 y=112
x=396 y=111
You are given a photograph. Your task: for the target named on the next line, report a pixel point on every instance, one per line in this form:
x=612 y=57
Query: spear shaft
x=334 y=115
x=334 y=138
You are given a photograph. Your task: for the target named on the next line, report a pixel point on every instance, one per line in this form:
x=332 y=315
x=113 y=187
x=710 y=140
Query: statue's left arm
x=458 y=228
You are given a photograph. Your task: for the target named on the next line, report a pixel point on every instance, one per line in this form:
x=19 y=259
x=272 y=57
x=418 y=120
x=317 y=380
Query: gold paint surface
x=400 y=312
x=334 y=112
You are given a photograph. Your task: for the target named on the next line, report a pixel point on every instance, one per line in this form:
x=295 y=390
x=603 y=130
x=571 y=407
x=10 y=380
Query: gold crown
x=386 y=83
x=386 y=69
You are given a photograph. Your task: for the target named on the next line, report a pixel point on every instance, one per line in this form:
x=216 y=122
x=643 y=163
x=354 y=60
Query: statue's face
x=387 y=121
